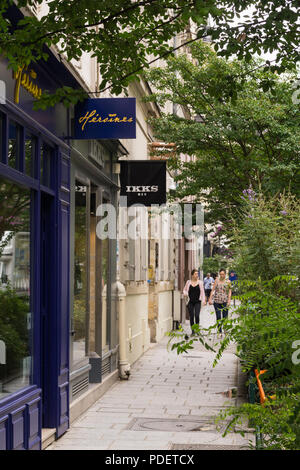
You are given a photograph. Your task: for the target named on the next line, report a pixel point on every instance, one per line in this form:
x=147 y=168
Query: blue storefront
x=34 y=257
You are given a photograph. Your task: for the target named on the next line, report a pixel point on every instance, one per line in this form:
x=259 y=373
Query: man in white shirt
x=208 y=283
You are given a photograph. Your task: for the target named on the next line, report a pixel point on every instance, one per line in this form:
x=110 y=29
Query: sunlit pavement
x=169 y=402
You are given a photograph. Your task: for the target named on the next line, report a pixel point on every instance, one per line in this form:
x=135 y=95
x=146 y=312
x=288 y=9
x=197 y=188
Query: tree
x=242 y=133
x=266 y=243
x=123 y=34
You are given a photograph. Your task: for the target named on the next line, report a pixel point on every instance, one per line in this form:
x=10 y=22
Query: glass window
x=46 y=165
x=30 y=151
x=105 y=287
x=80 y=274
x=14 y=144
x=93 y=311
x=1 y=136
x=15 y=311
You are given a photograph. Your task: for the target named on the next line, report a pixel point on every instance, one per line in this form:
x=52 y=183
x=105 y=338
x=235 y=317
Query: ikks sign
x=105 y=118
x=143 y=182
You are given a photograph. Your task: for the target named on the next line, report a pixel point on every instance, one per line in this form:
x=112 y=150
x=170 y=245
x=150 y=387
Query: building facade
x=34 y=257
x=60 y=335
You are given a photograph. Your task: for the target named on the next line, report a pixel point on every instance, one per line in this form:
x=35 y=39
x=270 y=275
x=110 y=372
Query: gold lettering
x=83 y=117
x=112 y=117
x=33 y=74
x=91 y=117
x=18 y=76
x=23 y=79
x=86 y=118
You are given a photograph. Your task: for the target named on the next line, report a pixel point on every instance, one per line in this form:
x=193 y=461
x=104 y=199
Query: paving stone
x=163 y=386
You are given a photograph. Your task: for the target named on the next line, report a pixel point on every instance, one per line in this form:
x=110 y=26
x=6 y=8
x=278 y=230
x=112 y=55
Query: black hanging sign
x=143 y=182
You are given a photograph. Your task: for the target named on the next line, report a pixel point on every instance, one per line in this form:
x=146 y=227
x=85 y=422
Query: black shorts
x=207 y=292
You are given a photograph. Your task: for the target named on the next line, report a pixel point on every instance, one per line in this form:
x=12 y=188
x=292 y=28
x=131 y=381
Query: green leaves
x=65 y=95
x=243 y=128
x=266 y=241
x=183 y=343
x=123 y=34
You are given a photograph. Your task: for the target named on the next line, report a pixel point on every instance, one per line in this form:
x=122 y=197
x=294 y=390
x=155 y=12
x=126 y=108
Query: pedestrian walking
x=208 y=283
x=221 y=292
x=194 y=294
x=233 y=280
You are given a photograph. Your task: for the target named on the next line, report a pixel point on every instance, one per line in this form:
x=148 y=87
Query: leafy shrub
x=266 y=242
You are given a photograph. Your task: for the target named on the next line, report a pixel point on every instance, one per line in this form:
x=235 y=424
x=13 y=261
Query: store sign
x=143 y=182
x=25 y=78
x=105 y=118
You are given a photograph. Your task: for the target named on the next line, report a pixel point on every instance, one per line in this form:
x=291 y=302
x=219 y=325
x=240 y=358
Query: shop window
x=30 y=152
x=80 y=274
x=46 y=158
x=15 y=304
x=105 y=300
x=2 y=151
x=14 y=150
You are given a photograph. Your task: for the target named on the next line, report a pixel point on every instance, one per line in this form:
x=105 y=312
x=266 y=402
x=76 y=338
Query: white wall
x=164 y=320
x=137 y=330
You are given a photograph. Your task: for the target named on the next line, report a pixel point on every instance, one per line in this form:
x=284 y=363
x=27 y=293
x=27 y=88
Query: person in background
x=208 y=283
x=194 y=293
x=221 y=292
x=233 y=279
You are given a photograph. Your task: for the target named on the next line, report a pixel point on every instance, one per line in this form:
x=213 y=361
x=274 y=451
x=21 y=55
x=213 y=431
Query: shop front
x=93 y=346
x=34 y=258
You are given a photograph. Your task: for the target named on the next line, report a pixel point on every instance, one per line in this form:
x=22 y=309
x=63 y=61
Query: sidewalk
x=169 y=402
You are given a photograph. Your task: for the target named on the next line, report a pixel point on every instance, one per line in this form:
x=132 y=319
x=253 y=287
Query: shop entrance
x=47 y=309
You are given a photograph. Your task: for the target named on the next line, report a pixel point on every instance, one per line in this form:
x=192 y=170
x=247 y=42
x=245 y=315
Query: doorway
x=47 y=308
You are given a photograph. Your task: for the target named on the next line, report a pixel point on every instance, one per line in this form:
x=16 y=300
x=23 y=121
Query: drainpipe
x=124 y=366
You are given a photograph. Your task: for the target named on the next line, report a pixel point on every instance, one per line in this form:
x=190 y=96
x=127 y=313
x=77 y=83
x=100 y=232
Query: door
x=46 y=302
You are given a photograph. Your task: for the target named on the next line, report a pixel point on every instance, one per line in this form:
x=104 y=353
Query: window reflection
x=30 y=149
x=80 y=273
x=13 y=145
x=46 y=160
x=105 y=304
x=15 y=316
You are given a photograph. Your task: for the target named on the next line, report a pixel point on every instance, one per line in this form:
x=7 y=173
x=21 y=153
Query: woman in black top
x=194 y=291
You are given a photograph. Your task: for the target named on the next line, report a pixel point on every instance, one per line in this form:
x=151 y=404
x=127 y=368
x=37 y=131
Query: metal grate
x=80 y=386
x=182 y=424
x=106 y=367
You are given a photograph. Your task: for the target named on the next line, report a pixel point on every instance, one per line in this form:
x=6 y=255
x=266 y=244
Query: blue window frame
x=38 y=163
